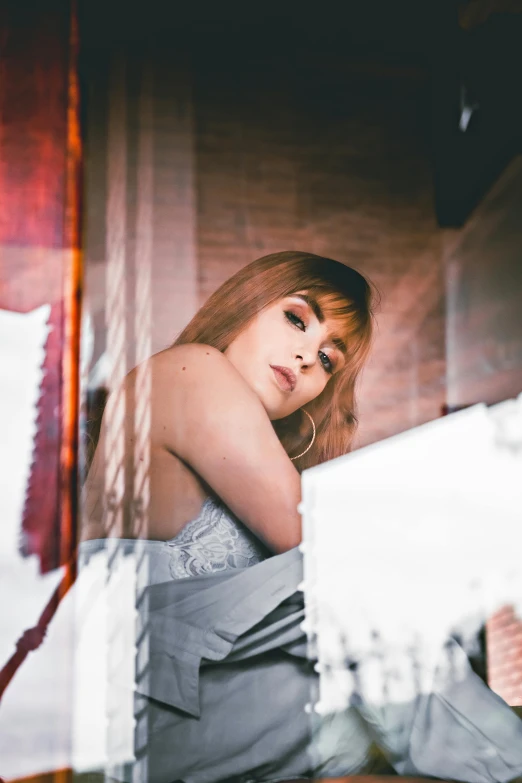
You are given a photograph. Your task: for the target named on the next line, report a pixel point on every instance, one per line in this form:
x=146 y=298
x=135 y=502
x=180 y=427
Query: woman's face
x=287 y=354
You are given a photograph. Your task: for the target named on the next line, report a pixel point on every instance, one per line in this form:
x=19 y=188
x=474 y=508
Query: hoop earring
x=311 y=442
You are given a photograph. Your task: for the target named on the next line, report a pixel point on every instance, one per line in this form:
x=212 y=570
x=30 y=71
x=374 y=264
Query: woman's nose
x=305 y=357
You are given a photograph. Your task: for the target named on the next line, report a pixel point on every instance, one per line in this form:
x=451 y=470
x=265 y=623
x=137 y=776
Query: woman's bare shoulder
x=191 y=386
x=204 y=413
x=197 y=369
x=193 y=351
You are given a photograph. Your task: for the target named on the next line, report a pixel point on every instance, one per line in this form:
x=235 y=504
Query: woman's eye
x=295 y=320
x=325 y=361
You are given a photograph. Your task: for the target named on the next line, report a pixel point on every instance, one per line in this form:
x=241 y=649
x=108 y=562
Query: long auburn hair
x=344 y=296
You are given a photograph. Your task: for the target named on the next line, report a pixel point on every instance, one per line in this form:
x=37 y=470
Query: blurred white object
x=34 y=718
x=22 y=351
x=97 y=740
x=409 y=541
x=86 y=343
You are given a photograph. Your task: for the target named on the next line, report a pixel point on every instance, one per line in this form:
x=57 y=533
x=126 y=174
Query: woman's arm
x=205 y=413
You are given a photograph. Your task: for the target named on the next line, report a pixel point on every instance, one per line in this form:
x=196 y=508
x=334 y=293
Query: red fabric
x=41 y=518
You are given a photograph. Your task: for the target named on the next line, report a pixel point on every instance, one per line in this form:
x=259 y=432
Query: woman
x=258 y=386
x=280 y=345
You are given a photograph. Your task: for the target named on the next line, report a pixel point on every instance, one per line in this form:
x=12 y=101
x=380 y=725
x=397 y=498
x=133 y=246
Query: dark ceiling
x=401 y=26
x=473 y=72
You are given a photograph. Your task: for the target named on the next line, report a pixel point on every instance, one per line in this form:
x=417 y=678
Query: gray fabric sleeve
x=460 y=730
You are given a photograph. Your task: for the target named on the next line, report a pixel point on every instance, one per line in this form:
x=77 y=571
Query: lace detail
x=214 y=541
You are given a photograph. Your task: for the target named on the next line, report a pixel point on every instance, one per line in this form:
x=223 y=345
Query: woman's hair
x=343 y=295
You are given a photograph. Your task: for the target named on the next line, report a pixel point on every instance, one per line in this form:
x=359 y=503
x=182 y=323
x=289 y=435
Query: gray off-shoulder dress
x=229 y=688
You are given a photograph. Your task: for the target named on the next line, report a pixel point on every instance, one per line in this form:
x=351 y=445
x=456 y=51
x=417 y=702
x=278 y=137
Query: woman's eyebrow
x=339 y=343
x=314 y=306
x=316 y=309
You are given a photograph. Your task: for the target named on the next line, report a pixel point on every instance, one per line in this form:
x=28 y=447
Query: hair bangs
x=342 y=311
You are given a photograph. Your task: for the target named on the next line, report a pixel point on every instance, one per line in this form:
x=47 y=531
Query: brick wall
x=285 y=155
x=504 y=655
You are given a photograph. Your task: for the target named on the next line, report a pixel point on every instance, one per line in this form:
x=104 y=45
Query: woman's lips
x=285 y=378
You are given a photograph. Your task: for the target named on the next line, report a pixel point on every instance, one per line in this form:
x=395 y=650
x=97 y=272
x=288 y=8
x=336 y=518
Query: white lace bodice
x=214 y=541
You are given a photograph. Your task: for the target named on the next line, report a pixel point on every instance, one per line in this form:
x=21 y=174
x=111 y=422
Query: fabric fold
x=198 y=620
x=229 y=681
